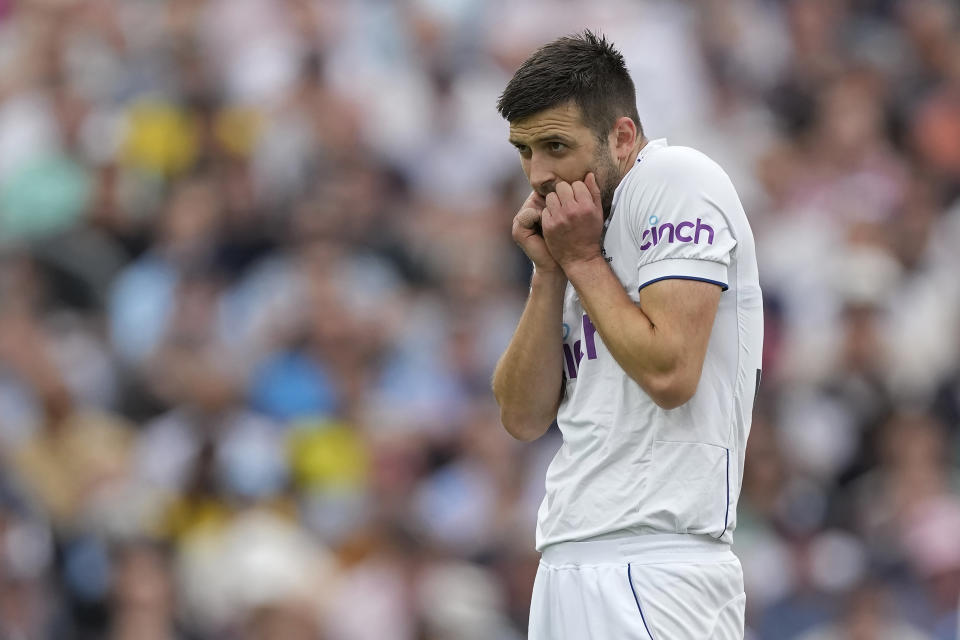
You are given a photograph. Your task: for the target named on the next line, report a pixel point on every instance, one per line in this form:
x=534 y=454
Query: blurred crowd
x=256 y=270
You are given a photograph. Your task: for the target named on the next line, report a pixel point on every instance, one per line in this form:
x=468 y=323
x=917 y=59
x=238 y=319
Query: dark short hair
x=583 y=68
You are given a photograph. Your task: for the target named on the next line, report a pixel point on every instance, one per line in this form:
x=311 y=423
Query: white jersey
x=626 y=465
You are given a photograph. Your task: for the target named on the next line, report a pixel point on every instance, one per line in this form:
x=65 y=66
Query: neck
x=631 y=158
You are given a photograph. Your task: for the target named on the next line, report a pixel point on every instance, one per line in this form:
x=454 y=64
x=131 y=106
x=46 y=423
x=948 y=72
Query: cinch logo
x=686 y=231
x=573 y=355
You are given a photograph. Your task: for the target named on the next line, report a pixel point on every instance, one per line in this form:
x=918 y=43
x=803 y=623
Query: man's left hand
x=573 y=221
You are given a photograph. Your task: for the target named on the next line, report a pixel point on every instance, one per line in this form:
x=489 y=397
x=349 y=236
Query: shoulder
x=677 y=176
x=678 y=164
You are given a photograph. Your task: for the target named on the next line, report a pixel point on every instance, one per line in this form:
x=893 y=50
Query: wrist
x=548 y=278
x=575 y=269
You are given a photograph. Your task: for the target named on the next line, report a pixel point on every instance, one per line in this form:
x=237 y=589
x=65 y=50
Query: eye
x=523 y=149
x=556 y=147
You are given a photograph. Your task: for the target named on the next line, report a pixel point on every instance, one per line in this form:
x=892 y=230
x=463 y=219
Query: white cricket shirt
x=626 y=465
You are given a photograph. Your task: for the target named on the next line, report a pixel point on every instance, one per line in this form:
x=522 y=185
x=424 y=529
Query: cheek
x=575 y=167
x=606 y=170
x=528 y=167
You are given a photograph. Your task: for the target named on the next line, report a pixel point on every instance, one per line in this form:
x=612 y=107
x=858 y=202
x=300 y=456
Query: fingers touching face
x=579 y=192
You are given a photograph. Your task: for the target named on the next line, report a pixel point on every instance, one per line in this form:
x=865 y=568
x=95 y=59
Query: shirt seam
x=698 y=259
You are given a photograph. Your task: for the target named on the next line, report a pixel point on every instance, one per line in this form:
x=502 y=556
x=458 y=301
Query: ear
x=622 y=137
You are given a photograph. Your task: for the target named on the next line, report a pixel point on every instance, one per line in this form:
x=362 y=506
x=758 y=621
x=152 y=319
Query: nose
x=541 y=175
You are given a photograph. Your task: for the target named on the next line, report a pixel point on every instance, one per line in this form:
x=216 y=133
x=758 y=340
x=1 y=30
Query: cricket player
x=642 y=339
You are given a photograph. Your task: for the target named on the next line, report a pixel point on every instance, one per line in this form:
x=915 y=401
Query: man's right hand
x=528 y=234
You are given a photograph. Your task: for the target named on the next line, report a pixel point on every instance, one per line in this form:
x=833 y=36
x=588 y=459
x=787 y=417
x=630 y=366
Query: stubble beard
x=608 y=178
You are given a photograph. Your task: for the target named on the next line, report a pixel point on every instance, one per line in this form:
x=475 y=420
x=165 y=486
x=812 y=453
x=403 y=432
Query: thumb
x=528 y=218
x=591 y=182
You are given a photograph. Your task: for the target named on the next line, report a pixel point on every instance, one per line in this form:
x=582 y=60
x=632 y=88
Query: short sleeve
x=680 y=221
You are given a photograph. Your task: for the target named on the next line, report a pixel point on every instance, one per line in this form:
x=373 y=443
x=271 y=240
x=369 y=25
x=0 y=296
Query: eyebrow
x=547 y=137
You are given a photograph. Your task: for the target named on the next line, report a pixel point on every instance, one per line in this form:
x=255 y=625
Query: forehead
x=562 y=120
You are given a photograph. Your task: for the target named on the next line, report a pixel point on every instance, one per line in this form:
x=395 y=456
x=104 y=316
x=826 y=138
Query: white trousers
x=651 y=587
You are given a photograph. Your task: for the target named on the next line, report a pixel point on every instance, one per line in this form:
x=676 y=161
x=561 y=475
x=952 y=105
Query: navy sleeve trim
x=722 y=285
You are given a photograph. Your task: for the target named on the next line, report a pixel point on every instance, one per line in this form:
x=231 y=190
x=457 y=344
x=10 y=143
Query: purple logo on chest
x=669 y=233
x=573 y=354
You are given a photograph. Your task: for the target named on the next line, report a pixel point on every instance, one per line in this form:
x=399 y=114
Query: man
x=641 y=337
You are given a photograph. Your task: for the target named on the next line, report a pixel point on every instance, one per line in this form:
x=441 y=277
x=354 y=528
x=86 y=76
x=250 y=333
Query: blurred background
x=256 y=270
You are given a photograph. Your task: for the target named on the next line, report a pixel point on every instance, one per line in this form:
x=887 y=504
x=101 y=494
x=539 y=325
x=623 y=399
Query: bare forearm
x=649 y=354
x=528 y=379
